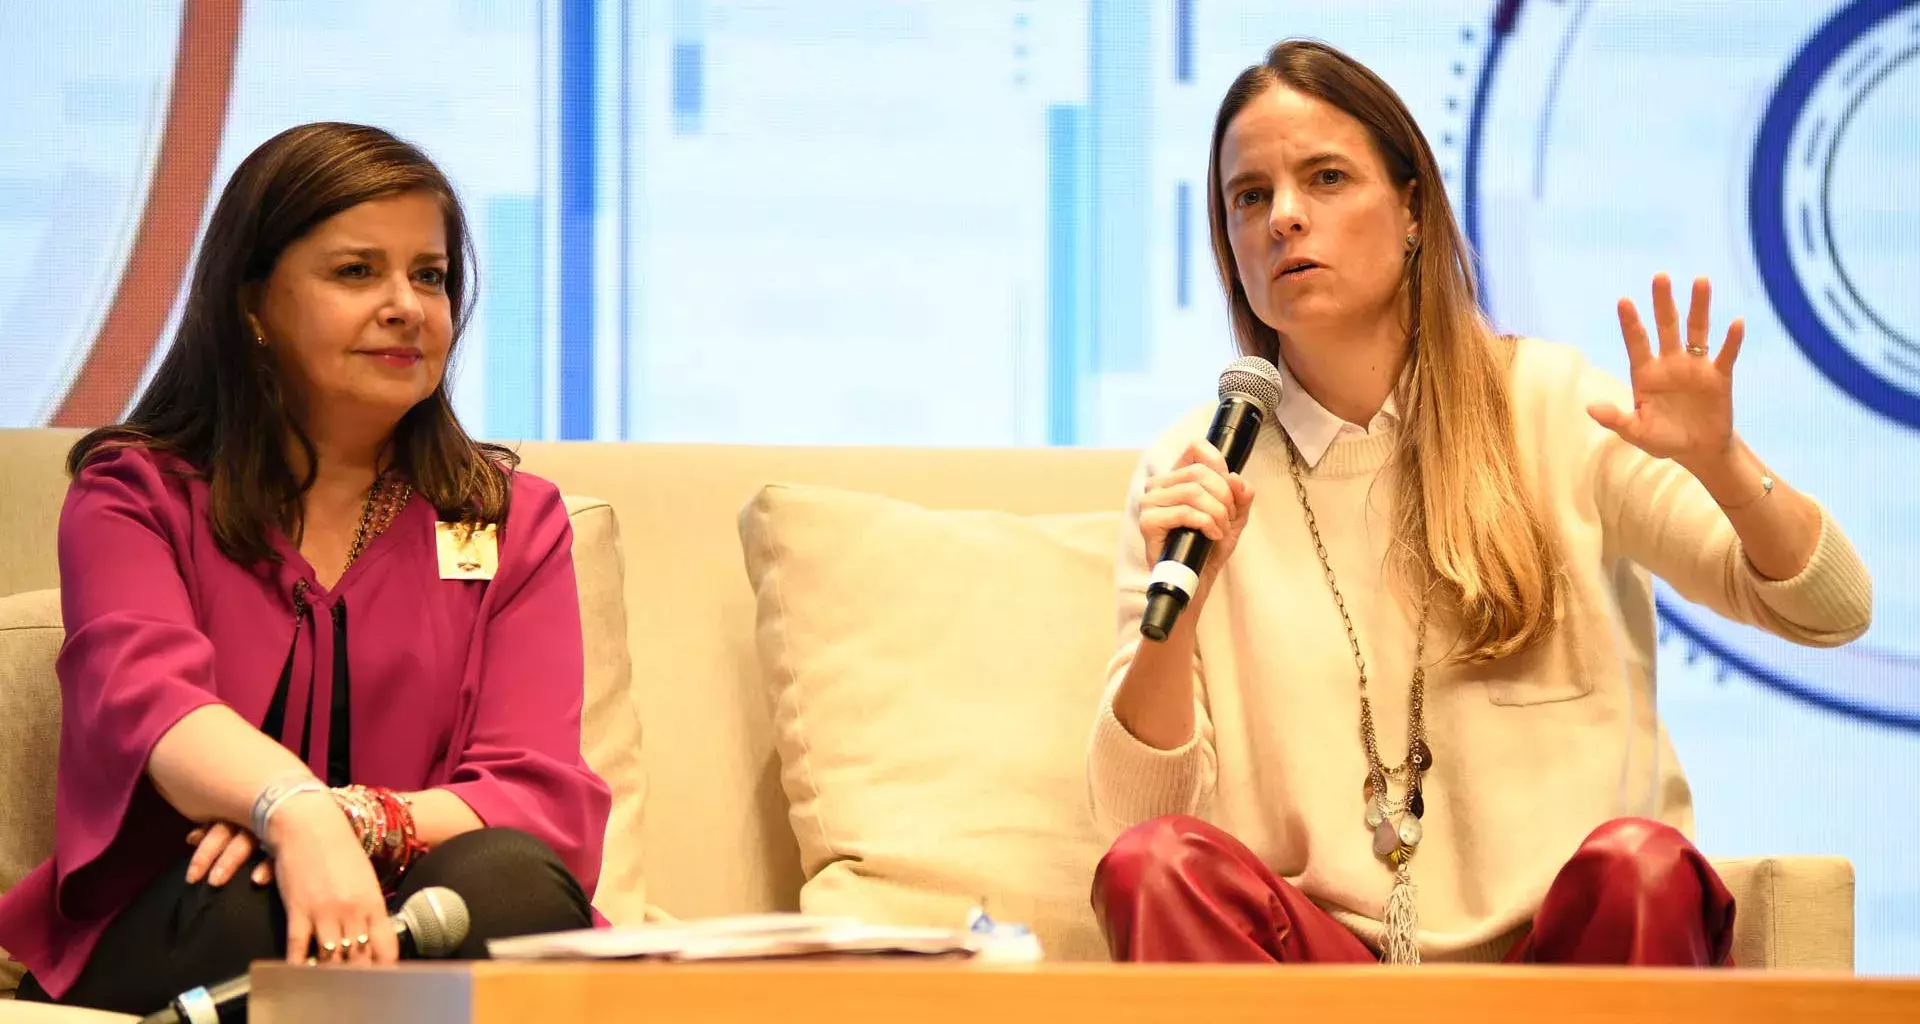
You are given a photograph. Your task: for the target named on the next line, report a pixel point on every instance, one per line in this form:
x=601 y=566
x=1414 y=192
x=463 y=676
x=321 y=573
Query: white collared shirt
x=1314 y=428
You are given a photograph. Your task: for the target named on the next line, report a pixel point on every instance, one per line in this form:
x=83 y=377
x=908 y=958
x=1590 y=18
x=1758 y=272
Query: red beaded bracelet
x=403 y=844
x=383 y=819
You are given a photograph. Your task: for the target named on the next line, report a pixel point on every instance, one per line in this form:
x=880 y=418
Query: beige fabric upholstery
x=930 y=694
x=30 y=637
x=716 y=836
x=33 y=465
x=1791 y=911
x=610 y=733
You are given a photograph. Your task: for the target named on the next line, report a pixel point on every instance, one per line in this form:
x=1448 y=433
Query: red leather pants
x=1179 y=889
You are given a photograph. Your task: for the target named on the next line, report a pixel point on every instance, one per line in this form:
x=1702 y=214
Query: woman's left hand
x=1683 y=395
x=220 y=851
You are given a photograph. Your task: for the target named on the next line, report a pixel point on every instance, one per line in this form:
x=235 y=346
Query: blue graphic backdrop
x=982 y=222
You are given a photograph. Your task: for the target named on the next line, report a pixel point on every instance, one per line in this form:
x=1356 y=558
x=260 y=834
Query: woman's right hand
x=328 y=885
x=1199 y=493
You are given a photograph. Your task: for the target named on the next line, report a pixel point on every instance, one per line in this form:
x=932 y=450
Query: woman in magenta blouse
x=323 y=649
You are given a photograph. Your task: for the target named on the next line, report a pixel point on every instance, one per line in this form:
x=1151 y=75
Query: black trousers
x=175 y=936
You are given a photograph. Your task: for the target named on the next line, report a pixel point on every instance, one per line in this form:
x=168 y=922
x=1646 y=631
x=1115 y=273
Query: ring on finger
x=1696 y=350
x=362 y=939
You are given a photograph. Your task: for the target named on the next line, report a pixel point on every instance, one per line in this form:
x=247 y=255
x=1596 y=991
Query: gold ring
x=362 y=939
x=328 y=947
x=1696 y=350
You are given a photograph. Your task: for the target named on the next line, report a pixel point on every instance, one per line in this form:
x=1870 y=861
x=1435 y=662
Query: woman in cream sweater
x=1410 y=710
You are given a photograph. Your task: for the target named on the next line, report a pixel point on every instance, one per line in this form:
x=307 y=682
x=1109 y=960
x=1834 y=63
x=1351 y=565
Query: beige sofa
x=887 y=700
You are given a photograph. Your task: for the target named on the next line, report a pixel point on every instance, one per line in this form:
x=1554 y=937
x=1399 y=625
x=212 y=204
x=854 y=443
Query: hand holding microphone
x=1191 y=516
x=1199 y=498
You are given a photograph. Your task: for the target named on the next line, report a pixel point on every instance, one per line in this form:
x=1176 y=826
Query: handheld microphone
x=1249 y=392
x=433 y=922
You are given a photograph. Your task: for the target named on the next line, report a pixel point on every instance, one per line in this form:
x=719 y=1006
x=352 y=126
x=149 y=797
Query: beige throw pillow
x=934 y=675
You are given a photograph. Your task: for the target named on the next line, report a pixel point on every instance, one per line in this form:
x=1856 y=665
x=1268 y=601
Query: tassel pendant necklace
x=1394 y=821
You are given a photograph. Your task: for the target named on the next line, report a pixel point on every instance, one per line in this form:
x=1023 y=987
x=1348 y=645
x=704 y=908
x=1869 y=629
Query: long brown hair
x=217 y=401
x=1465 y=515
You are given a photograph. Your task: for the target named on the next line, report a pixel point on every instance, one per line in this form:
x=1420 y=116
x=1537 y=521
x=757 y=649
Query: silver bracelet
x=276 y=793
x=1766 y=488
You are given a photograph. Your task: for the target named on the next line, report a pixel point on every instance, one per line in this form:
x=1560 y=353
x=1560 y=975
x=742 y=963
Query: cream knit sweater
x=1530 y=754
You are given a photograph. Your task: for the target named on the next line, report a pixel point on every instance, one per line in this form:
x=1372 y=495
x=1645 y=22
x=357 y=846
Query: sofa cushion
x=933 y=675
x=30 y=636
x=609 y=724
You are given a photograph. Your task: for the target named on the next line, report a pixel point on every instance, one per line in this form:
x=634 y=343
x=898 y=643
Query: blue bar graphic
x=688 y=94
x=510 y=317
x=1183 y=40
x=624 y=217
x=1183 y=245
x=1068 y=272
x=687 y=67
x=578 y=159
x=1120 y=96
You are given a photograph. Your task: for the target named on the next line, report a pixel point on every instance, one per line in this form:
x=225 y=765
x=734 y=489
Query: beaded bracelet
x=403 y=842
x=383 y=819
x=366 y=815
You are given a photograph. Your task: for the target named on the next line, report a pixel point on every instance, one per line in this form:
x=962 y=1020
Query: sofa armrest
x=30 y=637
x=1792 y=913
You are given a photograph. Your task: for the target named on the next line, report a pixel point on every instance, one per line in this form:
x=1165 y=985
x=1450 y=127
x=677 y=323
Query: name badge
x=467 y=553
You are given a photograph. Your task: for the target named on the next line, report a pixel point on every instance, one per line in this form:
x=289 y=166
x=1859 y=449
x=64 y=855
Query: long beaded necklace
x=1394 y=822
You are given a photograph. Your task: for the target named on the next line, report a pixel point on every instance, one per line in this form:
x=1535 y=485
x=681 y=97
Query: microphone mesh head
x=1254 y=379
x=436 y=917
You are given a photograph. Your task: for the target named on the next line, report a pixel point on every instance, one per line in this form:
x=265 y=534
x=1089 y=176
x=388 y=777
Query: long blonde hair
x=1465 y=515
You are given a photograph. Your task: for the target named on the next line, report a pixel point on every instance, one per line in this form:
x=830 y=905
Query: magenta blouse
x=470 y=686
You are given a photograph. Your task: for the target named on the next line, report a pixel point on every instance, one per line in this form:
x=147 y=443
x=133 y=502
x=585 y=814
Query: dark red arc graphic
x=163 y=243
